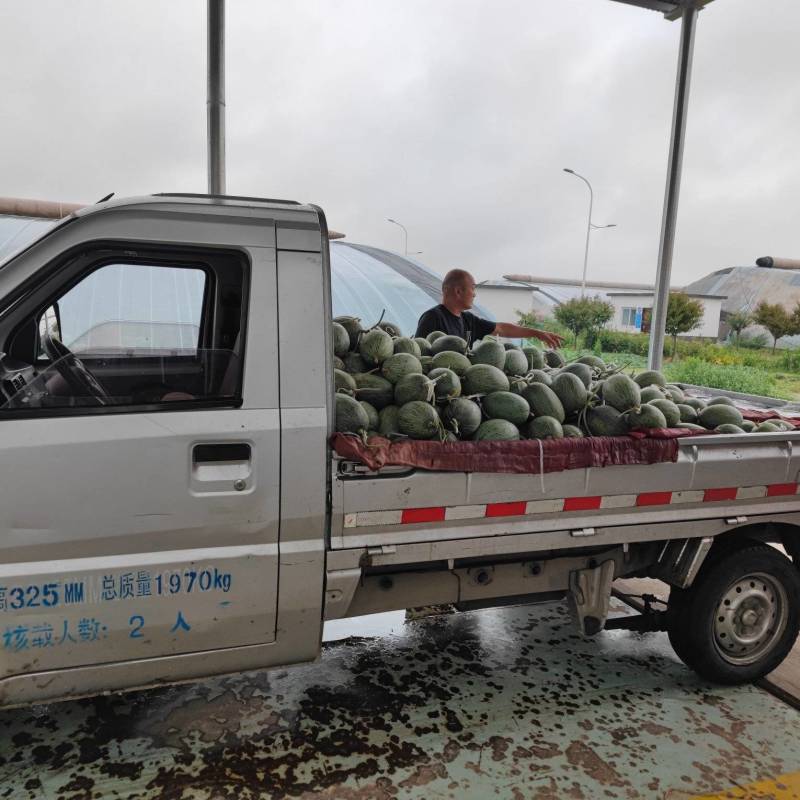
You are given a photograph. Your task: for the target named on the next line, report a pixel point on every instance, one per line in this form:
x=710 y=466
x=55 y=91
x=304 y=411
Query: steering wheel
x=73 y=371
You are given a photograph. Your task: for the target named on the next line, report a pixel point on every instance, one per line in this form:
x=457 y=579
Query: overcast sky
x=454 y=117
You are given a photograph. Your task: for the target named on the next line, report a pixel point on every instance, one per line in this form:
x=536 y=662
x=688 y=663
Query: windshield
x=16 y=233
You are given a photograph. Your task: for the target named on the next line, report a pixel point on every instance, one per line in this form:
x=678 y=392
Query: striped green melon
x=671 y=412
x=767 y=427
x=571 y=431
x=688 y=413
x=695 y=402
x=353 y=363
x=462 y=416
x=419 y=420
x=712 y=416
x=650 y=393
x=748 y=426
x=405 y=345
x=676 y=393
x=544 y=428
x=457 y=362
x=544 y=401
x=572 y=393
x=338 y=363
x=621 y=392
x=583 y=371
x=506 y=405
x=341 y=339
x=721 y=401
x=540 y=376
x=593 y=361
x=372 y=415
x=390 y=328
x=353 y=327
x=645 y=416
x=489 y=352
x=454 y=343
x=434 y=335
x=424 y=345
x=414 y=387
x=516 y=363
x=375 y=347
x=343 y=381
x=447 y=383
x=554 y=359
x=426 y=362
x=496 y=430
x=728 y=428
x=535 y=357
x=605 y=421
x=374 y=389
x=350 y=416
x=399 y=365
x=484 y=379
x=387 y=420
x=651 y=377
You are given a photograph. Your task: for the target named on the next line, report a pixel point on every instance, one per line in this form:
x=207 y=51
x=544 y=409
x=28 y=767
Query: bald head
x=458 y=290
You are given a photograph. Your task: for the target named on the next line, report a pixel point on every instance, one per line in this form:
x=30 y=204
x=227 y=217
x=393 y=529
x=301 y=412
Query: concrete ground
x=503 y=703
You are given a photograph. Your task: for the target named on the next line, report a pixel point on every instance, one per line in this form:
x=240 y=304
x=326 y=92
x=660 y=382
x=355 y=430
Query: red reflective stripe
x=728 y=493
x=411 y=515
x=505 y=509
x=654 y=499
x=778 y=489
x=582 y=503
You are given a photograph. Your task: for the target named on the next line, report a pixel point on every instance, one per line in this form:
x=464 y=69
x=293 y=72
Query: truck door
x=139 y=465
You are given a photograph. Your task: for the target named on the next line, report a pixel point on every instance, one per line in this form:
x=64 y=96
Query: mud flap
x=589 y=595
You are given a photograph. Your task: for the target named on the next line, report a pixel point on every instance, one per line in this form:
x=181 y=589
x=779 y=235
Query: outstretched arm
x=513 y=331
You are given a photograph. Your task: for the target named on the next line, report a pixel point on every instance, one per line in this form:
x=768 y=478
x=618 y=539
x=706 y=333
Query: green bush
x=733 y=378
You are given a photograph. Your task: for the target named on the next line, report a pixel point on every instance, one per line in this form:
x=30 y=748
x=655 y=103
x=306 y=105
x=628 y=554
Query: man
x=452 y=315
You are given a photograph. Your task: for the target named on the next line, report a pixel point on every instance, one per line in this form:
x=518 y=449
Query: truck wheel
x=740 y=617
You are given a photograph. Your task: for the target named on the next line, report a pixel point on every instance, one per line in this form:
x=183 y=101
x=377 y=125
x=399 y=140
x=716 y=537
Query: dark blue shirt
x=467 y=325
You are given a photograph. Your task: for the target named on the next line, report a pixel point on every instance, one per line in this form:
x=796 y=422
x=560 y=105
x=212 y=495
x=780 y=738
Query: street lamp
x=405 y=232
x=588 y=227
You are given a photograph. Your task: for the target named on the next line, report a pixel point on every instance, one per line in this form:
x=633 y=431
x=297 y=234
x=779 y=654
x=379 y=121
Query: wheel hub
x=750 y=618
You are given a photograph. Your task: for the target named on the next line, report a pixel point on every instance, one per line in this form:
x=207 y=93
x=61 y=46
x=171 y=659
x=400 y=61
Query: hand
x=552 y=340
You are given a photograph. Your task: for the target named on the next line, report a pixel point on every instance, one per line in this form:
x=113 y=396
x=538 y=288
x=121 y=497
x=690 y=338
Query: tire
x=740 y=617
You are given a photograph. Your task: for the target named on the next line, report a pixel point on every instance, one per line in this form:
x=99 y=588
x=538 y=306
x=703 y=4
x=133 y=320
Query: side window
x=134 y=334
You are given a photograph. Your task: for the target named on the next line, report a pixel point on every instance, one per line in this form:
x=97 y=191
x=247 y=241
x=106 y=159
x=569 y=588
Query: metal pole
x=667 y=241
x=588 y=233
x=405 y=234
x=216 y=96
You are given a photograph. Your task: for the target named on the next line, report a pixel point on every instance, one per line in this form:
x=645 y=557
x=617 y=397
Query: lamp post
x=589 y=227
x=405 y=233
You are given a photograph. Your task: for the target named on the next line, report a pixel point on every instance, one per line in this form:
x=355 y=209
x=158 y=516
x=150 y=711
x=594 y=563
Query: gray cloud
x=455 y=117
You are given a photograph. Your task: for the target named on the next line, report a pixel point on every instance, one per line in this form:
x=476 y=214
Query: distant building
x=632 y=302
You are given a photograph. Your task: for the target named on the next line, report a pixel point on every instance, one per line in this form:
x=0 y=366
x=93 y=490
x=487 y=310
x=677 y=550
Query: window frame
x=26 y=303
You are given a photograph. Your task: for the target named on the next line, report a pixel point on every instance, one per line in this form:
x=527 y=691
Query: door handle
x=216 y=453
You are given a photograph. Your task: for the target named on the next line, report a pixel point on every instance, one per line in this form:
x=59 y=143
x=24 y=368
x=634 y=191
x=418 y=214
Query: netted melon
x=572 y=393
x=767 y=427
x=728 y=428
x=621 y=392
x=426 y=362
x=405 y=345
x=454 y=343
x=424 y=345
x=721 y=401
x=544 y=401
x=484 y=379
x=675 y=393
x=372 y=415
x=695 y=402
x=447 y=383
x=399 y=365
x=650 y=378
x=387 y=420
x=671 y=412
x=583 y=371
x=390 y=328
x=489 y=352
x=645 y=416
x=462 y=416
x=375 y=347
x=748 y=426
x=350 y=416
x=593 y=361
x=571 y=431
x=414 y=387
x=449 y=359
x=535 y=357
x=516 y=363
x=716 y=414
x=554 y=359
x=544 y=428
x=353 y=363
x=650 y=393
x=419 y=420
x=506 y=405
x=341 y=339
x=605 y=421
x=539 y=376
x=496 y=429
x=688 y=413
x=374 y=389
x=343 y=382
x=353 y=327
x=338 y=363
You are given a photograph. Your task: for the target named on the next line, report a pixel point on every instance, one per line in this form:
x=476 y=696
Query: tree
x=776 y=319
x=584 y=315
x=737 y=322
x=683 y=315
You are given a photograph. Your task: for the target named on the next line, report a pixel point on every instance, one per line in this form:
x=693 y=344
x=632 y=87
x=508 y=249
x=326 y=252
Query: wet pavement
x=502 y=703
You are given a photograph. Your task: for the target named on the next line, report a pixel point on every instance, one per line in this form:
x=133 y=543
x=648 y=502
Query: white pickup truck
x=170 y=507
